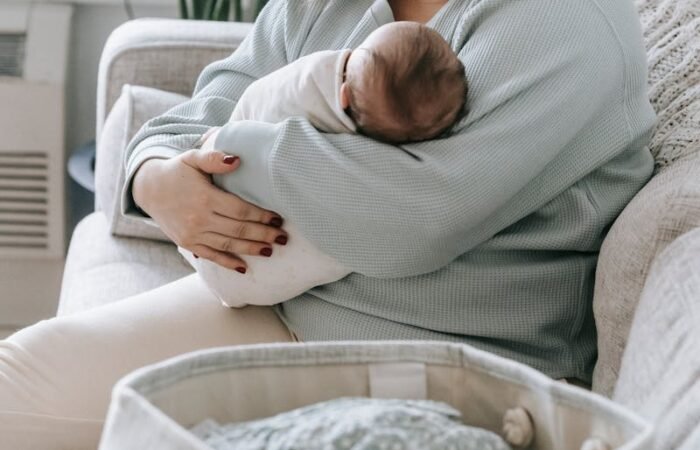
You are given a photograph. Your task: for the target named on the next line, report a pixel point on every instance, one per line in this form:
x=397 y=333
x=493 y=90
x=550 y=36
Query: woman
x=489 y=236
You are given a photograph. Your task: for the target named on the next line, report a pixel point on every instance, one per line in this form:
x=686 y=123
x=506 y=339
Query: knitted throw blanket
x=672 y=38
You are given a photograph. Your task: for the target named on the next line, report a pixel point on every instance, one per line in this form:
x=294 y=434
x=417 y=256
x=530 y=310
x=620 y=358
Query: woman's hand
x=179 y=195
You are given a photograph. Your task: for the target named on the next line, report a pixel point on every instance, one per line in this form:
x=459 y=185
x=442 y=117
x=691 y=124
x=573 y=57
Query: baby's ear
x=344 y=96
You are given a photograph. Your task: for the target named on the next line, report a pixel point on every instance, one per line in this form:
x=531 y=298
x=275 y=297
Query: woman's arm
x=217 y=91
x=172 y=183
x=385 y=211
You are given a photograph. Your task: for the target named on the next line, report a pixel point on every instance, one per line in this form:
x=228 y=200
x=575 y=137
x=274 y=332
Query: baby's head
x=404 y=84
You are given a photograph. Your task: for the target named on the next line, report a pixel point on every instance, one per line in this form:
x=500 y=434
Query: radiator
x=34 y=40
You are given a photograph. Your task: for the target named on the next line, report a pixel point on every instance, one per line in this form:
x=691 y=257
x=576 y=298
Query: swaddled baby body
x=402 y=84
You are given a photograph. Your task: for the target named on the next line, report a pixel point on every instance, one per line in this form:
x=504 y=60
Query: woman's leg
x=56 y=376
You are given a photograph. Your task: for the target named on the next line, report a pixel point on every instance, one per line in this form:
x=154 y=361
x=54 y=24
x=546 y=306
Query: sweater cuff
x=254 y=143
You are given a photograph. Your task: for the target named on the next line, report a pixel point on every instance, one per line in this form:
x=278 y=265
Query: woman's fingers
x=235 y=207
x=250 y=231
x=221 y=258
x=237 y=246
x=179 y=195
x=215 y=162
x=211 y=161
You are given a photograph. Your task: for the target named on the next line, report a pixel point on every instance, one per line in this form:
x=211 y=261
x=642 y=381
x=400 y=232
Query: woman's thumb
x=212 y=161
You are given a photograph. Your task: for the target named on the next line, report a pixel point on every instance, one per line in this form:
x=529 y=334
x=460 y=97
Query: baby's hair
x=424 y=86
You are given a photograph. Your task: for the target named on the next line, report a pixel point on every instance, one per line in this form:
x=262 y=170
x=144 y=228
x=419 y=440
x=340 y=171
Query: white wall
x=92 y=24
x=93 y=21
x=29 y=289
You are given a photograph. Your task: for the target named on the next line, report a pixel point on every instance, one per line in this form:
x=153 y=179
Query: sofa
x=647 y=294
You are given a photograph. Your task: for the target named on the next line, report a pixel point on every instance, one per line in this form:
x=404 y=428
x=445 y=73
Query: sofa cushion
x=670 y=204
x=659 y=377
x=102 y=268
x=134 y=107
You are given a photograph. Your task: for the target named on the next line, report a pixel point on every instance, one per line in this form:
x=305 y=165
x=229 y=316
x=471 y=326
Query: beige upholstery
x=165 y=54
x=670 y=204
x=660 y=373
x=101 y=268
x=134 y=108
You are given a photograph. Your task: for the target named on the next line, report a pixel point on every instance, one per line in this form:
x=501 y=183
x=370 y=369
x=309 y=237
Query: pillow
x=672 y=37
x=135 y=106
x=670 y=204
x=659 y=373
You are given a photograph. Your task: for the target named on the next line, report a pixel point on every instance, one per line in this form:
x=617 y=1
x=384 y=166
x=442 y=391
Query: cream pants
x=56 y=376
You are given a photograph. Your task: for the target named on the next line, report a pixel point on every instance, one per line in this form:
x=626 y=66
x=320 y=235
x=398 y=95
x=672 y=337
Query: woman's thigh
x=62 y=370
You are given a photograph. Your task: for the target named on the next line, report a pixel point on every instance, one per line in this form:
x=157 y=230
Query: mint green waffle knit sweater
x=489 y=236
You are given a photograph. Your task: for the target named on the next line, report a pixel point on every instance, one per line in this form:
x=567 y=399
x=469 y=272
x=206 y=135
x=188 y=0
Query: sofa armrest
x=135 y=106
x=659 y=373
x=667 y=207
x=161 y=53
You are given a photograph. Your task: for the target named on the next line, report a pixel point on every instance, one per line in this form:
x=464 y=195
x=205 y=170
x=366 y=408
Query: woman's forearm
x=216 y=94
x=369 y=205
x=385 y=211
x=388 y=211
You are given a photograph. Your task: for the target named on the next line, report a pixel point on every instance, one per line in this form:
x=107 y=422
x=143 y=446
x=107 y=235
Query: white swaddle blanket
x=309 y=87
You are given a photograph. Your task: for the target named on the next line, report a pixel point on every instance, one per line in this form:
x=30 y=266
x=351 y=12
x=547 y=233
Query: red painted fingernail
x=267 y=251
x=276 y=222
x=197 y=257
x=230 y=159
x=240 y=269
x=281 y=240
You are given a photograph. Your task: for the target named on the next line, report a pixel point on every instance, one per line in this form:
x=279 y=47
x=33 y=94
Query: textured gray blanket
x=357 y=424
x=671 y=34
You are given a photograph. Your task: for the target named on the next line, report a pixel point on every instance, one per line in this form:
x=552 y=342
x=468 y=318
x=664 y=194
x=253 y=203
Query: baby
x=402 y=84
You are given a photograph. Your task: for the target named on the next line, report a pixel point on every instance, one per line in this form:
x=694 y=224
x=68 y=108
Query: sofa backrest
x=659 y=373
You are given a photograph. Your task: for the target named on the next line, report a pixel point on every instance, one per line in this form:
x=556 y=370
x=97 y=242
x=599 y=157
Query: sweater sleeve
x=216 y=93
x=387 y=211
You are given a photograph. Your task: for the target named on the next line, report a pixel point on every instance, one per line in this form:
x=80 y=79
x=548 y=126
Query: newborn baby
x=402 y=84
